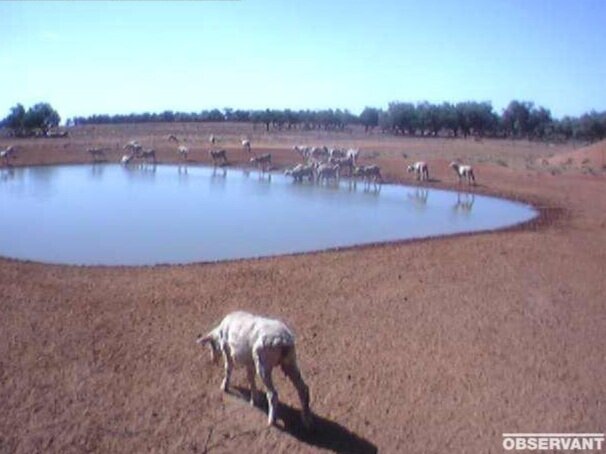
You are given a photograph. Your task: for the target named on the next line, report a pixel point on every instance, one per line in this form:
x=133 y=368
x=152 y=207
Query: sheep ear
x=202 y=340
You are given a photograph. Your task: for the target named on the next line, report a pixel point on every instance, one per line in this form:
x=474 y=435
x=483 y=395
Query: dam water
x=108 y=214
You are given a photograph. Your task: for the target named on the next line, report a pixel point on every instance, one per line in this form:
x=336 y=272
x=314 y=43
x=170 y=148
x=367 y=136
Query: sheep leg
x=229 y=365
x=271 y=393
x=291 y=370
x=253 y=386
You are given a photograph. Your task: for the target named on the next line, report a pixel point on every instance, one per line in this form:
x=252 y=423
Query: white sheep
x=326 y=172
x=246 y=145
x=421 y=170
x=7 y=153
x=301 y=171
x=212 y=139
x=353 y=153
x=97 y=153
x=464 y=171
x=147 y=155
x=259 y=344
x=371 y=173
x=336 y=153
x=133 y=147
x=301 y=150
x=218 y=155
x=126 y=159
x=344 y=163
x=263 y=160
x=319 y=153
x=183 y=152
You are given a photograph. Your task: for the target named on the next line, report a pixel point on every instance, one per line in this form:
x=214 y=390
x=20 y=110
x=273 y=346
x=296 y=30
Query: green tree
x=369 y=118
x=16 y=119
x=41 y=116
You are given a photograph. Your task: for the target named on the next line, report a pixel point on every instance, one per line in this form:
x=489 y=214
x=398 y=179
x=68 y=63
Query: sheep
x=463 y=171
x=319 y=152
x=183 y=152
x=7 y=154
x=369 y=173
x=97 y=153
x=263 y=160
x=126 y=159
x=217 y=155
x=246 y=145
x=421 y=170
x=212 y=139
x=336 y=153
x=353 y=153
x=326 y=172
x=148 y=154
x=301 y=150
x=344 y=163
x=301 y=171
x=133 y=146
x=259 y=344
x=172 y=138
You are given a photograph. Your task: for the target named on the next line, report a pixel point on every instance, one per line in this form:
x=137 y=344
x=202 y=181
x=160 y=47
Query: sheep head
x=210 y=339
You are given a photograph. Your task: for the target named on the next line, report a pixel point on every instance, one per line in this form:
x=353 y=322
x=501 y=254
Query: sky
x=94 y=57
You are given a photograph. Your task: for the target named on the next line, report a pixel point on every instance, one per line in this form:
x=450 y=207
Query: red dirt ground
x=428 y=346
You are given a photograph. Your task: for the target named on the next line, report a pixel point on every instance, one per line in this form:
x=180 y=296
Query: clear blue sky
x=87 y=57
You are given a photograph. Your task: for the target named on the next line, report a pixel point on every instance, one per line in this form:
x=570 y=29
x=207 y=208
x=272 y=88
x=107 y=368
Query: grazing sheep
x=259 y=344
x=246 y=145
x=370 y=174
x=172 y=138
x=7 y=154
x=97 y=153
x=183 y=152
x=263 y=160
x=464 y=171
x=301 y=171
x=218 y=155
x=421 y=170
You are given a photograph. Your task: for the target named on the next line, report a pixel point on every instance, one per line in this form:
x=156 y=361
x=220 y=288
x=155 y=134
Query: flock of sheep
x=320 y=164
x=261 y=344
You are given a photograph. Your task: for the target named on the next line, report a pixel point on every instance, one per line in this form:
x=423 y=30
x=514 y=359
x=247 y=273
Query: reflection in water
x=419 y=197
x=464 y=203
x=64 y=207
x=140 y=171
x=265 y=177
x=97 y=169
x=7 y=173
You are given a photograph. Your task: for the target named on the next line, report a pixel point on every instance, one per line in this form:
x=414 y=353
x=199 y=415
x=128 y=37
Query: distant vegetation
x=37 y=119
x=520 y=120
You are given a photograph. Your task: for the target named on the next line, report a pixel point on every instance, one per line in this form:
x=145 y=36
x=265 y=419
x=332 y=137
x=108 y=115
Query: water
x=113 y=215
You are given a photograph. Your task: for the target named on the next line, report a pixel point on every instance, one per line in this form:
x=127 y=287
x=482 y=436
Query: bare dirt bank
x=430 y=346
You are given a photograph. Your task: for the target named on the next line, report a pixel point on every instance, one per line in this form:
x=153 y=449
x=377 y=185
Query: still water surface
x=113 y=215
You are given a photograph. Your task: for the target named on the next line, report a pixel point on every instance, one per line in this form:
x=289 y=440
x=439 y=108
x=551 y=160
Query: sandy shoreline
x=436 y=345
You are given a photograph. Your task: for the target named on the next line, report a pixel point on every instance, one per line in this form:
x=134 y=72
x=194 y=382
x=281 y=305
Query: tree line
x=39 y=118
x=520 y=119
